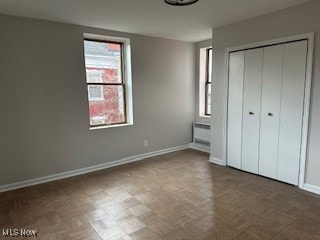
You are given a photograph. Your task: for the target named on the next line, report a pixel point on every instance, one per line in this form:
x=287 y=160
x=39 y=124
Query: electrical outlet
x=145 y=143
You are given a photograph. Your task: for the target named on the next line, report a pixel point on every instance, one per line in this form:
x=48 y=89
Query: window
x=205 y=72
x=208 y=82
x=108 y=84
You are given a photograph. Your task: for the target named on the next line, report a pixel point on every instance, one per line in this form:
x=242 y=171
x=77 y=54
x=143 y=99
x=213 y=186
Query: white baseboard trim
x=199 y=147
x=80 y=171
x=311 y=188
x=216 y=161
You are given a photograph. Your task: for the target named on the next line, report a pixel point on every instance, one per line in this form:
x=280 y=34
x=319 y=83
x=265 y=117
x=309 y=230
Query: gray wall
x=199 y=45
x=44 y=126
x=292 y=21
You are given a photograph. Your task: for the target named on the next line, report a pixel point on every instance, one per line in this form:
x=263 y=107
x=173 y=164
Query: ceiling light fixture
x=180 y=2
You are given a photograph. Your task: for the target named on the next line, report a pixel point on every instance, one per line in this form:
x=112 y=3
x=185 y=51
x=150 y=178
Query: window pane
x=208 y=106
x=210 y=65
x=110 y=108
x=103 y=62
x=95 y=93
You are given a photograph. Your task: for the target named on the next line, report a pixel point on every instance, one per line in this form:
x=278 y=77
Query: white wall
x=44 y=125
x=292 y=21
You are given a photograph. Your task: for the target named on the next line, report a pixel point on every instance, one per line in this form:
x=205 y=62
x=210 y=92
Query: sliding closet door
x=251 y=109
x=236 y=68
x=293 y=86
x=270 y=110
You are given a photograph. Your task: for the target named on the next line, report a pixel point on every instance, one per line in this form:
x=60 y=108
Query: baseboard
x=216 y=161
x=80 y=171
x=199 y=147
x=311 y=188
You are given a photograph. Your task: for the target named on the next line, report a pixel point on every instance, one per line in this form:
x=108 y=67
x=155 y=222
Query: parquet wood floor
x=174 y=196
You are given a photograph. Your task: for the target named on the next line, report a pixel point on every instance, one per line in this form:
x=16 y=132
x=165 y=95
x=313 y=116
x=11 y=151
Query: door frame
x=307 y=94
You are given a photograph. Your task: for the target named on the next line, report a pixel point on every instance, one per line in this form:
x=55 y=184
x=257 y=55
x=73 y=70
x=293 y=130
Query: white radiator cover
x=201 y=137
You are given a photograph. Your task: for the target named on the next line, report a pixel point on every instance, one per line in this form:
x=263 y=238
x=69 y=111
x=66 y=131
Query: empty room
x=160 y=119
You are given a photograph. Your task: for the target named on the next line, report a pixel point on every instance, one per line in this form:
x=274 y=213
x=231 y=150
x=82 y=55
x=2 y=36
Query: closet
x=265 y=109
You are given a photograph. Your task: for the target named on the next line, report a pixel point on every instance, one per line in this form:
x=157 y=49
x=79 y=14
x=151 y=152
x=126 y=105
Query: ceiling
x=147 y=17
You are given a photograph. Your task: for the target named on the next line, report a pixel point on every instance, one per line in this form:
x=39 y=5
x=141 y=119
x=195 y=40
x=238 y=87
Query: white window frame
x=126 y=72
x=203 y=61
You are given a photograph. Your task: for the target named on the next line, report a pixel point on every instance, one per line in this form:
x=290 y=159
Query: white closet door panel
x=236 y=68
x=251 y=109
x=293 y=85
x=270 y=110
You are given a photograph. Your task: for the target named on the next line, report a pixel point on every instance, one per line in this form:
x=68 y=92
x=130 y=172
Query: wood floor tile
x=129 y=203
x=147 y=233
x=131 y=225
x=139 y=210
x=289 y=233
x=146 y=198
x=275 y=221
x=259 y=232
x=307 y=227
x=115 y=232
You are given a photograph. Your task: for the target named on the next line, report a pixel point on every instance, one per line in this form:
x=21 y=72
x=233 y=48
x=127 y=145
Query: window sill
x=205 y=116
x=111 y=126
